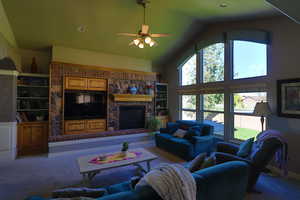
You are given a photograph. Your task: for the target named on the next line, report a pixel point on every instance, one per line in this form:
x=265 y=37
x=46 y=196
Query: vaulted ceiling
x=39 y=24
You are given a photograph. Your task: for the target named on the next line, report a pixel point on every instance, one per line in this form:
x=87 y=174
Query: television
x=84 y=105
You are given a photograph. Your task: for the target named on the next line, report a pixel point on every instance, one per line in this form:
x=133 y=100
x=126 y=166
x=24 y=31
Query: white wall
x=8 y=140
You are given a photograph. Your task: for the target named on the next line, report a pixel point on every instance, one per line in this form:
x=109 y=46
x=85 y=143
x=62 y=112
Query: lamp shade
x=262 y=109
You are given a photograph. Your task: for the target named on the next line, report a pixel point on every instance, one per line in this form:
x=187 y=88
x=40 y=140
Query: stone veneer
x=118 y=82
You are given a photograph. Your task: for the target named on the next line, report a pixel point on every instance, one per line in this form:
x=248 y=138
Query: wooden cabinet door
x=74 y=126
x=38 y=136
x=96 y=125
x=75 y=83
x=96 y=84
x=32 y=138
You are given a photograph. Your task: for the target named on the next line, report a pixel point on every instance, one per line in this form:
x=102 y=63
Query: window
x=189 y=72
x=212 y=111
x=188 y=110
x=213 y=63
x=249 y=59
x=246 y=125
x=214 y=77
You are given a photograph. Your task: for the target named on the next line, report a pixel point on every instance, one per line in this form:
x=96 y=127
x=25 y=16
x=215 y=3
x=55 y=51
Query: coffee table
x=90 y=170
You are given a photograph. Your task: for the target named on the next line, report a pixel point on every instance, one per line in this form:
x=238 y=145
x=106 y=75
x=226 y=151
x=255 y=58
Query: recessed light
x=223 y=5
x=82 y=29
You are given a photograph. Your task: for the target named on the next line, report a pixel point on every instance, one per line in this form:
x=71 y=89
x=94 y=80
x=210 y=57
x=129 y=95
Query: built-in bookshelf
x=32 y=97
x=161 y=99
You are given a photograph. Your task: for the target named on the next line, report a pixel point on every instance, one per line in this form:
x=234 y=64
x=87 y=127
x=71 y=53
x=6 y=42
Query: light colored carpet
x=41 y=175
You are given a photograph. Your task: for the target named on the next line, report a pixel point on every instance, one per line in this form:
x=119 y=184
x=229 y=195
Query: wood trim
x=105 y=68
x=133 y=97
x=96 y=84
x=68 y=83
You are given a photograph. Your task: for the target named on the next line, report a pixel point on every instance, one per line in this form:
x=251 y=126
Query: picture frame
x=288 y=98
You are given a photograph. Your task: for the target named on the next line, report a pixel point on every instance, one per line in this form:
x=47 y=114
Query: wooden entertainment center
x=81 y=126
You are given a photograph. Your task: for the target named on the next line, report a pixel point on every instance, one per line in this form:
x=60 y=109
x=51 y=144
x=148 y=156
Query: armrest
x=200 y=139
x=227 y=148
x=77 y=192
x=164 y=130
x=226 y=157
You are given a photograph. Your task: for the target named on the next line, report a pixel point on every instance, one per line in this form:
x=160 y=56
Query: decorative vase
x=33 y=66
x=133 y=90
x=151 y=91
x=39 y=118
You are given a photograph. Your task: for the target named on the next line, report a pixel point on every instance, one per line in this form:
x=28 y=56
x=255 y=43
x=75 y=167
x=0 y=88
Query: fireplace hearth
x=131 y=117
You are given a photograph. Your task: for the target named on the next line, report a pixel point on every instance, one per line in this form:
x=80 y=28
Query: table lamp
x=262 y=109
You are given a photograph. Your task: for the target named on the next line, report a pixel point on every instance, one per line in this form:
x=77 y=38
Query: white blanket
x=171 y=182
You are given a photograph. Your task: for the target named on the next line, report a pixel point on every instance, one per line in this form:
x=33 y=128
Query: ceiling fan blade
x=131 y=43
x=128 y=34
x=160 y=35
x=145 y=29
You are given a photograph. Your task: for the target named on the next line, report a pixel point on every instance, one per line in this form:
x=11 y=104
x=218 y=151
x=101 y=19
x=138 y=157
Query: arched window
x=188 y=72
x=213 y=63
x=228 y=103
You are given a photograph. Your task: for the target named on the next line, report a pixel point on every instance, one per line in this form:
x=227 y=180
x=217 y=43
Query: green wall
x=93 y=58
x=5 y=27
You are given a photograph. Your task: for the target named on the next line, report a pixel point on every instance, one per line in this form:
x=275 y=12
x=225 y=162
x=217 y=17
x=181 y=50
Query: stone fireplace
x=131 y=117
x=118 y=83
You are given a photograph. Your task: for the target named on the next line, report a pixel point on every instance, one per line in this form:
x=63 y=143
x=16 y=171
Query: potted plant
x=40 y=116
x=124 y=149
x=153 y=124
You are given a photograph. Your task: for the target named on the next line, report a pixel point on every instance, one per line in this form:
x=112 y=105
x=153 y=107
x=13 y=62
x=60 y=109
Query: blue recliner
x=198 y=139
x=226 y=181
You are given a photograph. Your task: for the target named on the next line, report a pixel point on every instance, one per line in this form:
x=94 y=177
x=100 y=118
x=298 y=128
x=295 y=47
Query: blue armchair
x=227 y=181
x=198 y=139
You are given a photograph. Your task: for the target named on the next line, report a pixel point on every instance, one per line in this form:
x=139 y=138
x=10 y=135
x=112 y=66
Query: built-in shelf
x=32 y=98
x=31 y=110
x=133 y=97
x=39 y=86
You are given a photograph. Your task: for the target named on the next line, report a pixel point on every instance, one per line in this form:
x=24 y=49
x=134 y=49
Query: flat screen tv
x=84 y=105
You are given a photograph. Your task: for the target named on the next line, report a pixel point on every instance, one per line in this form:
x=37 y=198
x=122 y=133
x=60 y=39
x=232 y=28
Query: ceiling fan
x=143 y=37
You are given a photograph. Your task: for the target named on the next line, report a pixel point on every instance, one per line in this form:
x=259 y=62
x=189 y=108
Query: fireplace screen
x=131 y=117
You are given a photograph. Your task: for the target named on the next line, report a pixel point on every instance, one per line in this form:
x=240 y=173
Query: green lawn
x=245 y=133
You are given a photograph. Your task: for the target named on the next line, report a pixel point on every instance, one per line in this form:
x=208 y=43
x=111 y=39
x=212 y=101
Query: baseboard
x=278 y=172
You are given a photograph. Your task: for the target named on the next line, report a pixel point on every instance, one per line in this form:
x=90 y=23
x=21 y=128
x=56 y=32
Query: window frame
x=181 y=109
x=180 y=70
x=227 y=87
x=231 y=46
x=201 y=64
x=233 y=113
x=202 y=110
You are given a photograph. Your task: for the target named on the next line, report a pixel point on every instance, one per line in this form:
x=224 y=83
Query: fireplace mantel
x=133 y=97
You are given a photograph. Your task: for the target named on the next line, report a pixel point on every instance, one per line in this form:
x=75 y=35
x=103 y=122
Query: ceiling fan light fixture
x=148 y=40
x=152 y=43
x=141 y=45
x=136 y=41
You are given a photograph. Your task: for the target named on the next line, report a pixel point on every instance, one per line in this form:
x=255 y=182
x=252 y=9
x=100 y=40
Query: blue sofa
x=199 y=138
x=226 y=181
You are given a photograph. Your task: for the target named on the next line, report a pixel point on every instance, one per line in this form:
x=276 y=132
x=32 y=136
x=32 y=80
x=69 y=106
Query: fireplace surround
x=131 y=117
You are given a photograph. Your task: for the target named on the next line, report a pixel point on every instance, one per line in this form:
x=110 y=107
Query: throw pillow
x=196 y=163
x=180 y=133
x=245 y=148
x=209 y=162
